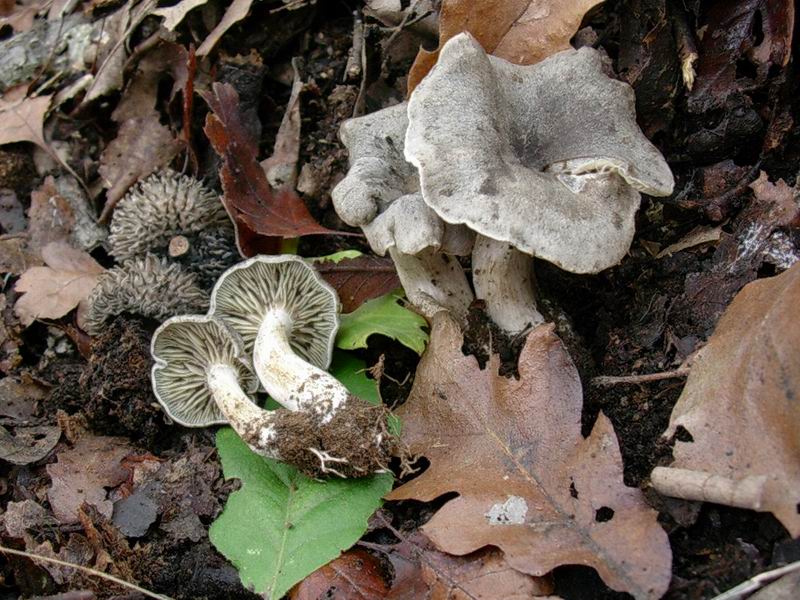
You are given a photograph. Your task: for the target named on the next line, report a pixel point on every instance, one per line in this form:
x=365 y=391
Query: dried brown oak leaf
x=52 y=291
x=520 y=31
x=255 y=208
x=83 y=473
x=22 y=118
x=528 y=482
x=359 y=279
x=740 y=401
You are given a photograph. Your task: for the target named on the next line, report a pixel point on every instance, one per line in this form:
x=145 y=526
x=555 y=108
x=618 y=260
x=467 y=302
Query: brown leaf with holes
x=83 y=474
x=755 y=33
x=142 y=146
x=359 y=279
x=528 y=482
x=255 y=209
x=740 y=401
x=421 y=571
x=521 y=31
x=355 y=575
x=52 y=291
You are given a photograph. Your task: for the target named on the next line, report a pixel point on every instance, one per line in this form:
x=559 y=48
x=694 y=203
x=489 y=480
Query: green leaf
x=384 y=316
x=281 y=526
x=337 y=256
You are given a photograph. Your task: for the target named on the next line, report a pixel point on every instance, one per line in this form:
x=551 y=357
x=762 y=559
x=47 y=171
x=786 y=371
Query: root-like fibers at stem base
x=355 y=443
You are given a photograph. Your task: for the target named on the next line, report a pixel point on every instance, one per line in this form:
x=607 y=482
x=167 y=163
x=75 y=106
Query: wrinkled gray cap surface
x=547 y=157
x=381 y=193
x=246 y=292
x=184 y=348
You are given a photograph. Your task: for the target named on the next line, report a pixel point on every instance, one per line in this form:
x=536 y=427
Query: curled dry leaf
x=521 y=31
x=740 y=401
x=52 y=291
x=255 y=209
x=528 y=482
x=27 y=444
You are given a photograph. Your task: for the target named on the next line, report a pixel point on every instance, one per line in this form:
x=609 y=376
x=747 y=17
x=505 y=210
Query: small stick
x=94 y=572
x=756 y=582
x=687 y=484
x=646 y=378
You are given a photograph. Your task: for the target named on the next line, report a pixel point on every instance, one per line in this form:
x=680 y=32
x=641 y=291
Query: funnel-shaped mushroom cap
x=184 y=348
x=246 y=292
x=381 y=191
x=547 y=157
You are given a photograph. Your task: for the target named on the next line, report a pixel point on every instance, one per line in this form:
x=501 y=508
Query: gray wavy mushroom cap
x=146 y=286
x=161 y=207
x=184 y=348
x=381 y=192
x=547 y=157
x=246 y=292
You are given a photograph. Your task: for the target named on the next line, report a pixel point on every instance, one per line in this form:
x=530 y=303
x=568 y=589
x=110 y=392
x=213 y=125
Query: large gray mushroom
x=381 y=195
x=544 y=160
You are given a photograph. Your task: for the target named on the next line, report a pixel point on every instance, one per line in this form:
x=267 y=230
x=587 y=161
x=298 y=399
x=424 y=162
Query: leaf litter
x=115 y=100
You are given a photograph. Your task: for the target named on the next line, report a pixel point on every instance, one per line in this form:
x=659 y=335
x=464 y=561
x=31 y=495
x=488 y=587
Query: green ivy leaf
x=384 y=316
x=281 y=526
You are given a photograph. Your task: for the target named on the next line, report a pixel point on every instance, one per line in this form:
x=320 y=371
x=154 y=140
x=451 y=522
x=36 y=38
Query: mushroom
x=540 y=161
x=287 y=318
x=170 y=214
x=200 y=378
x=146 y=286
x=381 y=195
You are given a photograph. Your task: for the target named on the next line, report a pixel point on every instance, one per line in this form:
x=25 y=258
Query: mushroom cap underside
x=547 y=157
x=246 y=292
x=184 y=348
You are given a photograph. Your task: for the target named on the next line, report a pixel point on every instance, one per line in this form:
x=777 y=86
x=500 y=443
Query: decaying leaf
x=355 y=575
x=51 y=217
x=281 y=167
x=27 y=444
x=83 y=473
x=255 y=209
x=233 y=14
x=21 y=118
x=740 y=401
x=421 y=571
x=54 y=290
x=142 y=146
x=359 y=279
x=173 y=15
x=520 y=31
x=528 y=482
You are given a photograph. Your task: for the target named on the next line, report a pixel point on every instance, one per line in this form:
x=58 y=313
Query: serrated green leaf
x=281 y=526
x=384 y=316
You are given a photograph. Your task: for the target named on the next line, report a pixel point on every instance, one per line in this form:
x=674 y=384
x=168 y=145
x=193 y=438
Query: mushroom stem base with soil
x=291 y=381
x=503 y=277
x=433 y=282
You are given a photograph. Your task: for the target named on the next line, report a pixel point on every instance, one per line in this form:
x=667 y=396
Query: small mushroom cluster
x=277 y=310
x=531 y=161
x=172 y=238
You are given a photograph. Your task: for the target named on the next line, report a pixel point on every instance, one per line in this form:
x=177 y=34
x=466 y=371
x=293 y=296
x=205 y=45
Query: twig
x=748 y=492
x=94 y=572
x=757 y=582
x=605 y=380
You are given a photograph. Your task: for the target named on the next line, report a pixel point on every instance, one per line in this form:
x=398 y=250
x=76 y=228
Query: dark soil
x=638 y=317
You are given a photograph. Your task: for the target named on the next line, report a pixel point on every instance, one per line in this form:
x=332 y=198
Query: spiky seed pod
x=145 y=286
x=164 y=205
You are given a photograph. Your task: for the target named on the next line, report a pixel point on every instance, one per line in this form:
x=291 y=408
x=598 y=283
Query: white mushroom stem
x=433 y=282
x=251 y=423
x=503 y=277
x=290 y=380
x=748 y=492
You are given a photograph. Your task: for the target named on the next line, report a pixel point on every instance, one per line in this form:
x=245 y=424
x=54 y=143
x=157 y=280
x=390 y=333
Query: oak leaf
x=520 y=31
x=528 y=482
x=740 y=401
x=52 y=291
x=250 y=201
x=22 y=118
x=355 y=575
